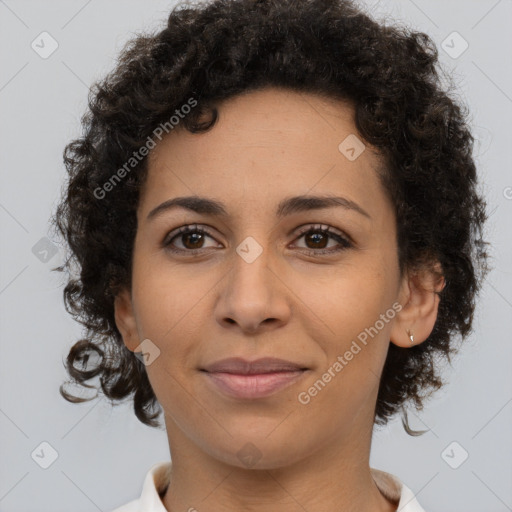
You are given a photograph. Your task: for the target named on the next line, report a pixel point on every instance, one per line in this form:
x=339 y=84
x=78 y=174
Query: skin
x=269 y=145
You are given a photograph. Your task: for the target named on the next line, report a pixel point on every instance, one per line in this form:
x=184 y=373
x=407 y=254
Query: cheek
x=167 y=320
x=169 y=317
x=168 y=298
x=346 y=301
x=354 y=339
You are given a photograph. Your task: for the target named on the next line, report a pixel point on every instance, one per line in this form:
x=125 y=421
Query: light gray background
x=103 y=454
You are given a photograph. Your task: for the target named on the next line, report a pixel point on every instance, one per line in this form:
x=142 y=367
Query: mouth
x=239 y=378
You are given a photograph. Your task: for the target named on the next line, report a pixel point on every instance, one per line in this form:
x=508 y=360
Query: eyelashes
x=325 y=232
x=195 y=234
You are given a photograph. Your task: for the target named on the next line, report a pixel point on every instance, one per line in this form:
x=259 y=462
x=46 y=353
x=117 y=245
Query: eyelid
x=185 y=229
x=324 y=227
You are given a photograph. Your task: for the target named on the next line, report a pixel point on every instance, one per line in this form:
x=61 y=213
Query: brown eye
x=317 y=238
x=192 y=238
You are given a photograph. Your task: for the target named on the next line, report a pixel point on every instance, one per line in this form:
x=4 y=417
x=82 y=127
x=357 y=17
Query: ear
x=419 y=297
x=125 y=319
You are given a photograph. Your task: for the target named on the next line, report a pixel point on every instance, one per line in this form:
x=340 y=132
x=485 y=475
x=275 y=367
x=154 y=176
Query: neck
x=336 y=476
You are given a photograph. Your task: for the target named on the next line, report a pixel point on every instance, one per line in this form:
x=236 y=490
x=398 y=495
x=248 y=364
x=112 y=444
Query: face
x=318 y=287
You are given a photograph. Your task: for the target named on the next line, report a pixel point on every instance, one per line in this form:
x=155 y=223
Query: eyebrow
x=288 y=206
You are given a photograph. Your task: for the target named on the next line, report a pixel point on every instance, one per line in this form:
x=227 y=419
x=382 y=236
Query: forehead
x=266 y=145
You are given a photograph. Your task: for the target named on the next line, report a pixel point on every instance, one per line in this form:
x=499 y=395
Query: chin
x=257 y=451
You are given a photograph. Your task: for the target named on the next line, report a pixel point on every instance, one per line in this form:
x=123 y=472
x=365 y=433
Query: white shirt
x=157 y=478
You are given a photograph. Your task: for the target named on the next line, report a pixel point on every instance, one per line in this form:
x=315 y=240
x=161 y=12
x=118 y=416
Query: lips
x=239 y=378
x=240 y=366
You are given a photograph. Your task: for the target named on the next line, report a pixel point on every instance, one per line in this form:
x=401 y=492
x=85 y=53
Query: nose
x=253 y=297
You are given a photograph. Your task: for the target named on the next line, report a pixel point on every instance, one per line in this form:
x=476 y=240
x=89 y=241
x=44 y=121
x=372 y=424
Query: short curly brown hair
x=216 y=50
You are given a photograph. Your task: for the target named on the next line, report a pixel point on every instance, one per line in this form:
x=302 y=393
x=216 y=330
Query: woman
x=274 y=212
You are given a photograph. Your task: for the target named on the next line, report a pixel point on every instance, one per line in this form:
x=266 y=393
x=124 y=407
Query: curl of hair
x=223 y=48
